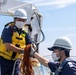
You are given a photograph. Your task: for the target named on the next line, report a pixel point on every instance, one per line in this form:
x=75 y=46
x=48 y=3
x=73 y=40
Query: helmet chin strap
x=59 y=59
x=60 y=54
x=62 y=57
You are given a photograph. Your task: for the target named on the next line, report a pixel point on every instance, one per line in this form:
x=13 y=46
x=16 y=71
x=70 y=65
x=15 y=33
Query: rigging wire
x=38 y=18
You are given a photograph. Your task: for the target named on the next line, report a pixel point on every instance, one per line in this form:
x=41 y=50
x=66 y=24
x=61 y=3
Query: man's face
x=55 y=55
x=57 y=52
x=19 y=22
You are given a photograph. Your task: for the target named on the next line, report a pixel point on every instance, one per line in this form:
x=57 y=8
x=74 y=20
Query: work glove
x=22 y=51
x=33 y=50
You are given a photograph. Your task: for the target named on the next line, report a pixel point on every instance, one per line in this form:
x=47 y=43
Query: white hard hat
x=20 y=13
x=62 y=42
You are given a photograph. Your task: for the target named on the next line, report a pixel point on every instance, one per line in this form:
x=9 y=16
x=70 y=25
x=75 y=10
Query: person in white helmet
x=14 y=40
x=63 y=64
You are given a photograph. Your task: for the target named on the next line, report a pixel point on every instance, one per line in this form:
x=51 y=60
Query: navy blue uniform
x=68 y=69
x=7 y=65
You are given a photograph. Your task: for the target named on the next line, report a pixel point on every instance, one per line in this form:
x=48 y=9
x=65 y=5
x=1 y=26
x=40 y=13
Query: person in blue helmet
x=13 y=41
x=63 y=64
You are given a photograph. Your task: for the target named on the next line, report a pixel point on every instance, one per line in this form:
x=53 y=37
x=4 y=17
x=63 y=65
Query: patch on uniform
x=70 y=64
x=7 y=26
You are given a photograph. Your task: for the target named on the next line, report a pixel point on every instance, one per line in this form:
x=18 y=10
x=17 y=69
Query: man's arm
x=7 y=40
x=44 y=61
x=52 y=65
x=41 y=59
x=13 y=48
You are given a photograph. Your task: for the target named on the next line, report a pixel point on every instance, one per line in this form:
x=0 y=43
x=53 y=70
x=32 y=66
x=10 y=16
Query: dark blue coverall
x=67 y=69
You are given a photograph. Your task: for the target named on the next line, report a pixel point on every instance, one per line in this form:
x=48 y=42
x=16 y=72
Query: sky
x=59 y=19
